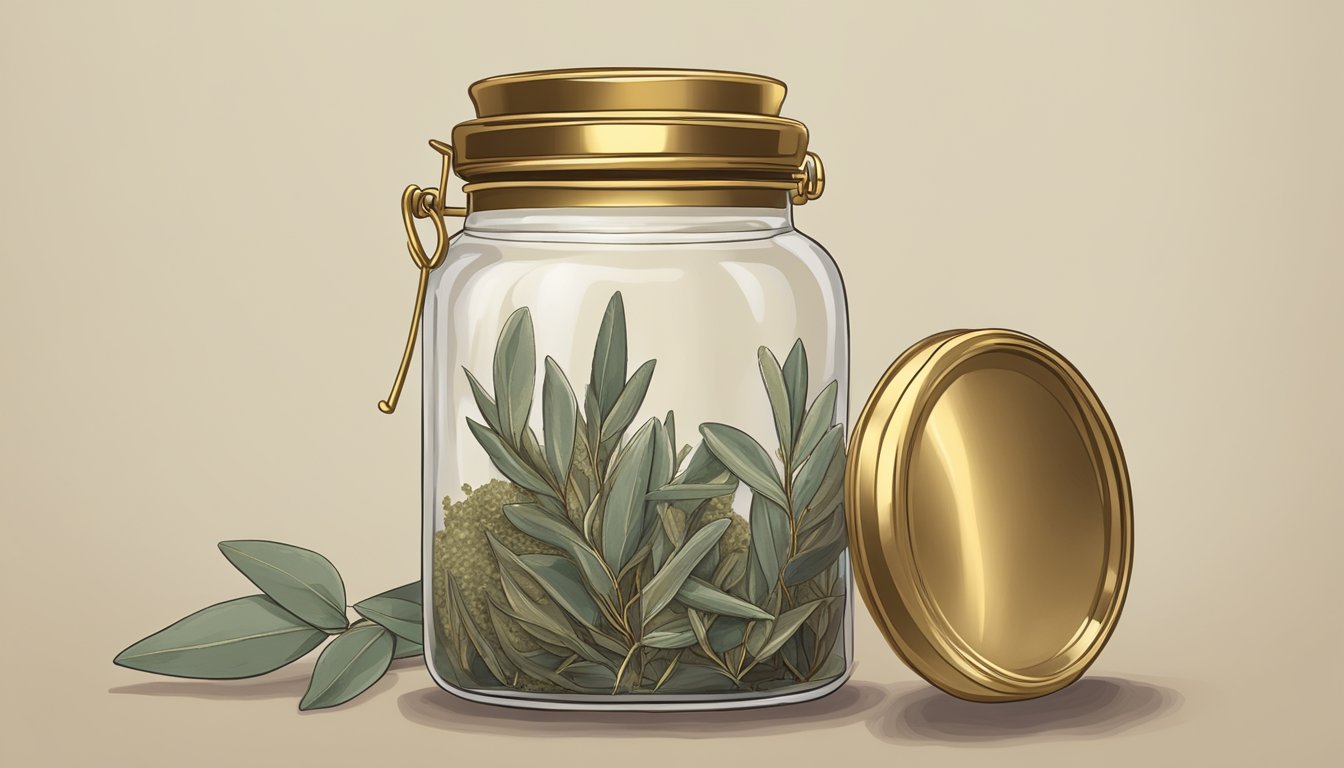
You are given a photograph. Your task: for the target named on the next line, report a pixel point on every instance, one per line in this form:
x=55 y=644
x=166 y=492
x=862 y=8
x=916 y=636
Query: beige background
x=203 y=294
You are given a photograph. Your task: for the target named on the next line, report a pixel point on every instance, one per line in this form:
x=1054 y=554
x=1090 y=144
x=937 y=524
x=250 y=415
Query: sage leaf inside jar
x=609 y=562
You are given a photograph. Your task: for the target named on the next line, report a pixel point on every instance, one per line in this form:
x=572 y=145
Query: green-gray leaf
x=522 y=661
x=349 y=666
x=706 y=597
x=828 y=495
x=814 y=469
x=590 y=675
x=559 y=412
x=783 y=629
x=666 y=583
x=795 y=379
x=515 y=374
x=413 y=592
x=697 y=678
x=498 y=667
x=401 y=617
x=813 y=561
x=819 y=418
x=623 y=515
x=660 y=470
x=303 y=582
x=609 y=356
x=769 y=537
x=560 y=579
x=240 y=638
x=539 y=524
x=484 y=402
x=677 y=634
x=703 y=468
x=730 y=569
x=674 y=525
x=507 y=460
x=775 y=389
x=745 y=458
x=628 y=403
x=405 y=649
x=691 y=491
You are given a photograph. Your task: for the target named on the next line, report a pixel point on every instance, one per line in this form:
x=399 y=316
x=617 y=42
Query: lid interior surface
x=990 y=516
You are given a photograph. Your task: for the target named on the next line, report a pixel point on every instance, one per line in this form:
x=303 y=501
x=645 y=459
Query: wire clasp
x=417 y=203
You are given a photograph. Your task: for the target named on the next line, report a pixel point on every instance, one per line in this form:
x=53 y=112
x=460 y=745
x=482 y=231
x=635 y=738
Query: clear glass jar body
x=633 y=500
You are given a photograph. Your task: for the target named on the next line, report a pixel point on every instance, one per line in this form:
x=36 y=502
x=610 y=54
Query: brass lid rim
x=617 y=167
x=615 y=88
x=631 y=72
x=637 y=117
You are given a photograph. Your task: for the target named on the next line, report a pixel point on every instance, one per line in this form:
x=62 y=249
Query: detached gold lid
x=989 y=511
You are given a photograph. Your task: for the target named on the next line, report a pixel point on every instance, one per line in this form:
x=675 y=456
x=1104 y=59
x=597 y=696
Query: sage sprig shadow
x=301 y=606
x=639 y=590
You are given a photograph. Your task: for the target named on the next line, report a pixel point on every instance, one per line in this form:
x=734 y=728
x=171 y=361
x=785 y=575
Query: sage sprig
x=610 y=561
x=302 y=605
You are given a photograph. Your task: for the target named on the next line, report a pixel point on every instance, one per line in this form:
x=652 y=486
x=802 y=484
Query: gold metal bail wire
x=811 y=179
x=417 y=203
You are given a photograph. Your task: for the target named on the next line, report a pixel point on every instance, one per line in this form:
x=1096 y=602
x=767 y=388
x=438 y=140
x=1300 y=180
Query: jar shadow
x=436 y=708
x=1090 y=708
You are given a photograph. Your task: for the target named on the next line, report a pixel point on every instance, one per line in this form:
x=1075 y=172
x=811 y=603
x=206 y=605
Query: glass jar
x=633 y=416
x=637 y=488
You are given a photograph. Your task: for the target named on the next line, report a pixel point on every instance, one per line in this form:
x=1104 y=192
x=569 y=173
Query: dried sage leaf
x=528 y=665
x=239 y=638
x=819 y=418
x=746 y=459
x=813 y=561
x=609 y=357
x=623 y=515
x=769 y=537
x=813 y=471
x=663 y=587
x=778 y=394
x=515 y=374
x=785 y=626
x=507 y=460
x=674 y=524
x=795 y=380
x=660 y=469
x=586 y=674
x=695 y=593
x=691 y=491
x=560 y=578
x=484 y=402
x=303 y=582
x=559 y=413
x=349 y=665
x=501 y=668
x=627 y=405
x=697 y=678
x=539 y=524
x=673 y=636
x=704 y=468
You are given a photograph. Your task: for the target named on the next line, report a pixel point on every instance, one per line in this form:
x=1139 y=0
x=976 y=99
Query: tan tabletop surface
x=203 y=290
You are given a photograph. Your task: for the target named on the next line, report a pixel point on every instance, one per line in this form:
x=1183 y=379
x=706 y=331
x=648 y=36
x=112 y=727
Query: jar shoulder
x=475 y=262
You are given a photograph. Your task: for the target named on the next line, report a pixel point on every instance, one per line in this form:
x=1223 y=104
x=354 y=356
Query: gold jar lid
x=990 y=519
x=607 y=137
